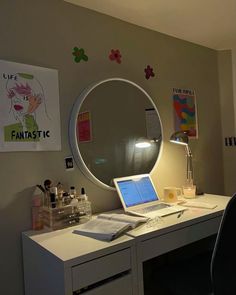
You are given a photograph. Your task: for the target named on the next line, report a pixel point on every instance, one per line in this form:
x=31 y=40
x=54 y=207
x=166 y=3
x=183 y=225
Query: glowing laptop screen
x=137 y=191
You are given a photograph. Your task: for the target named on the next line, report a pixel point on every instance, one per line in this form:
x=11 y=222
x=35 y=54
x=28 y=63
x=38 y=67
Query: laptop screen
x=137 y=191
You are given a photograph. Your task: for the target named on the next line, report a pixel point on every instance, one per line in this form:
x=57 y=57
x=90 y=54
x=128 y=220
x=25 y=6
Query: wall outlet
x=230 y=141
x=69 y=163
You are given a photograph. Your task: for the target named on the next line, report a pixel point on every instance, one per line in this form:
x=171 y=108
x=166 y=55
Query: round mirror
x=115 y=131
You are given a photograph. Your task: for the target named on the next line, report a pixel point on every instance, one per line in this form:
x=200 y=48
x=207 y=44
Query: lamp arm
x=188 y=150
x=189 y=165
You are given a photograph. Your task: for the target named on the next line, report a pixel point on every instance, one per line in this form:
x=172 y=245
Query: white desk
x=60 y=262
x=173 y=232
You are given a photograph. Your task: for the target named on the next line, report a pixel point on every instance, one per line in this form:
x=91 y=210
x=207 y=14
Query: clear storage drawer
x=57 y=218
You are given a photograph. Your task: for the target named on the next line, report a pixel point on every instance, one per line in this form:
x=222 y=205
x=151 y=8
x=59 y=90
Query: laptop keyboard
x=152 y=208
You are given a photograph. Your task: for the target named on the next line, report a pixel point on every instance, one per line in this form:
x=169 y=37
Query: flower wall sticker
x=79 y=54
x=115 y=55
x=149 y=72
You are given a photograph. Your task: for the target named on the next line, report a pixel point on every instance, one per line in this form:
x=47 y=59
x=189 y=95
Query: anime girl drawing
x=26 y=97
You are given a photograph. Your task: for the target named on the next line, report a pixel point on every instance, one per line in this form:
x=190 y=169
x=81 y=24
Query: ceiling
x=211 y=23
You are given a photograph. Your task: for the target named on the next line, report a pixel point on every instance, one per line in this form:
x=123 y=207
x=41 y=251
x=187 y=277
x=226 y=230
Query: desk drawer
x=179 y=238
x=100 y=269
x=122 y=285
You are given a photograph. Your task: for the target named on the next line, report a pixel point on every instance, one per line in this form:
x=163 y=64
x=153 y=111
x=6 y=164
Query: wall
x=233 y=73
x=227 y=102
x=44 y=33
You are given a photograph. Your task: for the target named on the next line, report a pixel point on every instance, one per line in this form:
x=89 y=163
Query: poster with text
x=29 y=108
x=185 y=111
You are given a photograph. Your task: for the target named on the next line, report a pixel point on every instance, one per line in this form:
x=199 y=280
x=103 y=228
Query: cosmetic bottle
x=36 y=210
x=72 y=192
x=60 y=192
x=65 y=199
x=53 y=197
x=74 y=201
x=47 y=185
x=84 y=205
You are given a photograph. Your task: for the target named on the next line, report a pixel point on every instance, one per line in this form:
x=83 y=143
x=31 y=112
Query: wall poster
x=84 y=133
x=153 y=125
x=185 y=111
x=29 y=108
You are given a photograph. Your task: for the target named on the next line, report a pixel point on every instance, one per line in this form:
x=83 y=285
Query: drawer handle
x=95 y=285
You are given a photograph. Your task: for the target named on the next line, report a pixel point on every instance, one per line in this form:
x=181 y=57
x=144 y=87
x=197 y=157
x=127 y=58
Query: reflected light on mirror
x=99 y=161
x=143 y=143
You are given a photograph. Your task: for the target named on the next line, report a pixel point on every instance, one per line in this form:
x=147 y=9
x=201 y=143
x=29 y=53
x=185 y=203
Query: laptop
x=139 y=197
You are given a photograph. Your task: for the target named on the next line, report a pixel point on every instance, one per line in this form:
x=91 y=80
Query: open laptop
x=139 y=197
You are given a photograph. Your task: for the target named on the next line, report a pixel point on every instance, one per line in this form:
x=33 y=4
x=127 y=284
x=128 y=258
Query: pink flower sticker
x=149 y=72
x=115 y=55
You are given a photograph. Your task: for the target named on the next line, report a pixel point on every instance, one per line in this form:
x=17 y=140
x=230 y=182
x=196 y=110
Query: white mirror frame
x=73 y=124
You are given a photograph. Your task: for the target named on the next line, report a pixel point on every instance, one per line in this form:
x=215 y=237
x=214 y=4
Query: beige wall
x=44 y=33
x=227 y=101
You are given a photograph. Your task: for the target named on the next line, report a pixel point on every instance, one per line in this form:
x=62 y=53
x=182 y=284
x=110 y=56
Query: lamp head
x=179 y=137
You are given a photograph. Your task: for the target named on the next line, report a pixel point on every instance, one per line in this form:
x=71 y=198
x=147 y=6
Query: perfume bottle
x=84 y=205
x=72 y=192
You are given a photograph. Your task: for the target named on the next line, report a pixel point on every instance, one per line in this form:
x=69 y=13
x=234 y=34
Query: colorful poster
x=84 y=127
x=185 y=111
x=29 y=108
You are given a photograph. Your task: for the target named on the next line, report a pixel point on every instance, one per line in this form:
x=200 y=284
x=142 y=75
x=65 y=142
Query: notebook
x=139 y=197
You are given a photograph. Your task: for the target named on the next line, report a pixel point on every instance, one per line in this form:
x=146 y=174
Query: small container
x=57 y=218
x=72 y=192
x=74 y=204
x=189 y=191
x=65 y=199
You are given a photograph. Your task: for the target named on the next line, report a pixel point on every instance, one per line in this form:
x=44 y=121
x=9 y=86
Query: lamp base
x=199 y=192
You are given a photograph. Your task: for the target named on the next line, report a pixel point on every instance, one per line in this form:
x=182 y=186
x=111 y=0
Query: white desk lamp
x=181 y=137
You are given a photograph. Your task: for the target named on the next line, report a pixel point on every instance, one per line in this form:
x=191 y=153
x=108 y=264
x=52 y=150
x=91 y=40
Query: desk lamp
x=181 y=137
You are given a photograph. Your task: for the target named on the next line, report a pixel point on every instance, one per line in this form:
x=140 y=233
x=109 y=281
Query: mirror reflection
x=113 y=119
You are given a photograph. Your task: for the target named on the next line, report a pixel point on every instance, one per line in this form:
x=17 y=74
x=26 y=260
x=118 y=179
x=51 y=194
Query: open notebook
x=139 y=197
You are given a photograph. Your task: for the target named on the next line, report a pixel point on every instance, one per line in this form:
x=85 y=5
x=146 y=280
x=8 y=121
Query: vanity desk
x=61 y=263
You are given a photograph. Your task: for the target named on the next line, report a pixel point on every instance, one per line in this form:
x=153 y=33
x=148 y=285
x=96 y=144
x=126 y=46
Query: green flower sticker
x=79 y=54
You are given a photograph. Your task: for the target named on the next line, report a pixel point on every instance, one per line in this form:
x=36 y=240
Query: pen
x=180 y=214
